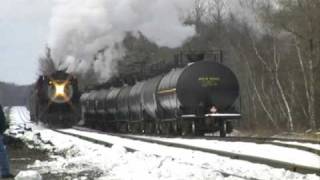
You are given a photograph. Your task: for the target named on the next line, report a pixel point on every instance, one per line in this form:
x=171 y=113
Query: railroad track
x=254 y=159
x=23 y=116
x=108 y=144
x=258 y=140
x=271 y=140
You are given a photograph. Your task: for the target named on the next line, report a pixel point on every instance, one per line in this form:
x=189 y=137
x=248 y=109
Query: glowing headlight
x=60 y=91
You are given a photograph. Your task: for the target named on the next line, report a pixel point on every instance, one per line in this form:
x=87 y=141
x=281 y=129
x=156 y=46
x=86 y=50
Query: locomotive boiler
x=196 y=99
x=55 y=100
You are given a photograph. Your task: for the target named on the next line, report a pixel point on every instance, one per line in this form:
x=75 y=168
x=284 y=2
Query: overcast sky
x=24 y=32
x=24 y=26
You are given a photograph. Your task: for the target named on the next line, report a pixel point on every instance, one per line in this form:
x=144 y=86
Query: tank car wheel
x=197 y=130
x=174 y=128
x=130 y=127
x=135 y=127
x=157 y=129
x=150 y=128
x=117 y=125
x=138 y=127
x=125 y=127
x=165 y=128
x=186 y=128
x=142 y=127
x=222 y=128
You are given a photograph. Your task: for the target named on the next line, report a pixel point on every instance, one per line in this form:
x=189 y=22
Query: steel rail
x=270 y=140
x=254 y=159
x=258 y=140
x=108 y=144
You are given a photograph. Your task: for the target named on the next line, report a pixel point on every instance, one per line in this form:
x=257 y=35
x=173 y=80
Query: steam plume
x=79 y=29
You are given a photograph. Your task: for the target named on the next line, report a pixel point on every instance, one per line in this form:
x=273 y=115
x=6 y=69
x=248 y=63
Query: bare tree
x=216 y=11
x=198 y=13
x=300 y=18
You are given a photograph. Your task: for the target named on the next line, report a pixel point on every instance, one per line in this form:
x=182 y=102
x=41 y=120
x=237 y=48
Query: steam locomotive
x=197 y=98
x=55 y=100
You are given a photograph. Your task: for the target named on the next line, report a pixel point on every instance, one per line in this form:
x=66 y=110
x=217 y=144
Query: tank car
x=55 y=100
x=195 y=99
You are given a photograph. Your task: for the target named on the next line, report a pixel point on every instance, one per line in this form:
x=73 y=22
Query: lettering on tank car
x=209 y=81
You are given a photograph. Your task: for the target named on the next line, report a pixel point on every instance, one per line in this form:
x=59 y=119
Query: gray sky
x=24 y=31
x=24 y=26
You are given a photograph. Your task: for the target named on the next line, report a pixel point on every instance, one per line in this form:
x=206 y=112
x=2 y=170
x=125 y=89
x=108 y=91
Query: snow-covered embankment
x=71 y=155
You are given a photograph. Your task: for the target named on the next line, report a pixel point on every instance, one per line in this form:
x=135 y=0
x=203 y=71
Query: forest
x=14 y=95
x=274 y=50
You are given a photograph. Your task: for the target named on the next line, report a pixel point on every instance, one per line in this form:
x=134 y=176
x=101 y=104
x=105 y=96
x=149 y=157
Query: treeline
x=275 y=53
x=14 y=95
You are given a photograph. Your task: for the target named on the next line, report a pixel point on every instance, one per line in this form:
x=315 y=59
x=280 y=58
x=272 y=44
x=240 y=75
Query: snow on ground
x=71 y=155
x=285 y=154
x=28 y=175
x=310 y=145
x=19 y=119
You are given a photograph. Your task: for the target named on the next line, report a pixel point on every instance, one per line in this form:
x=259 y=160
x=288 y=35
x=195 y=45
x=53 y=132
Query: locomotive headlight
x=60 y=91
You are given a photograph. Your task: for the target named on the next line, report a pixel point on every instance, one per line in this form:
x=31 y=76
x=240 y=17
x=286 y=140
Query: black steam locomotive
x=195 y=99
x=55 y=100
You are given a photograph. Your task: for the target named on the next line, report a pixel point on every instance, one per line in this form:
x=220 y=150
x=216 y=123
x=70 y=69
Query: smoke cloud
x=80 y=29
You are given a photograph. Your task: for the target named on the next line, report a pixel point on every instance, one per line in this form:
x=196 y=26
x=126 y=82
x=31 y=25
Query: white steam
x=79 y=29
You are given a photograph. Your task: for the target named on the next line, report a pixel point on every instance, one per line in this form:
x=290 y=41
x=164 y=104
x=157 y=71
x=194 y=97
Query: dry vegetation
x=276 y=58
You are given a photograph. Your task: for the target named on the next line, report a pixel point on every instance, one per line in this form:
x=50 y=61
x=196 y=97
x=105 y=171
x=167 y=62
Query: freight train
x=195 y=99
x=55 y=100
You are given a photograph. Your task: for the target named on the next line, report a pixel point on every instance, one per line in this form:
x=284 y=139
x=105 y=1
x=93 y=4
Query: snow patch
x=86 y=160
x=28 y=175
